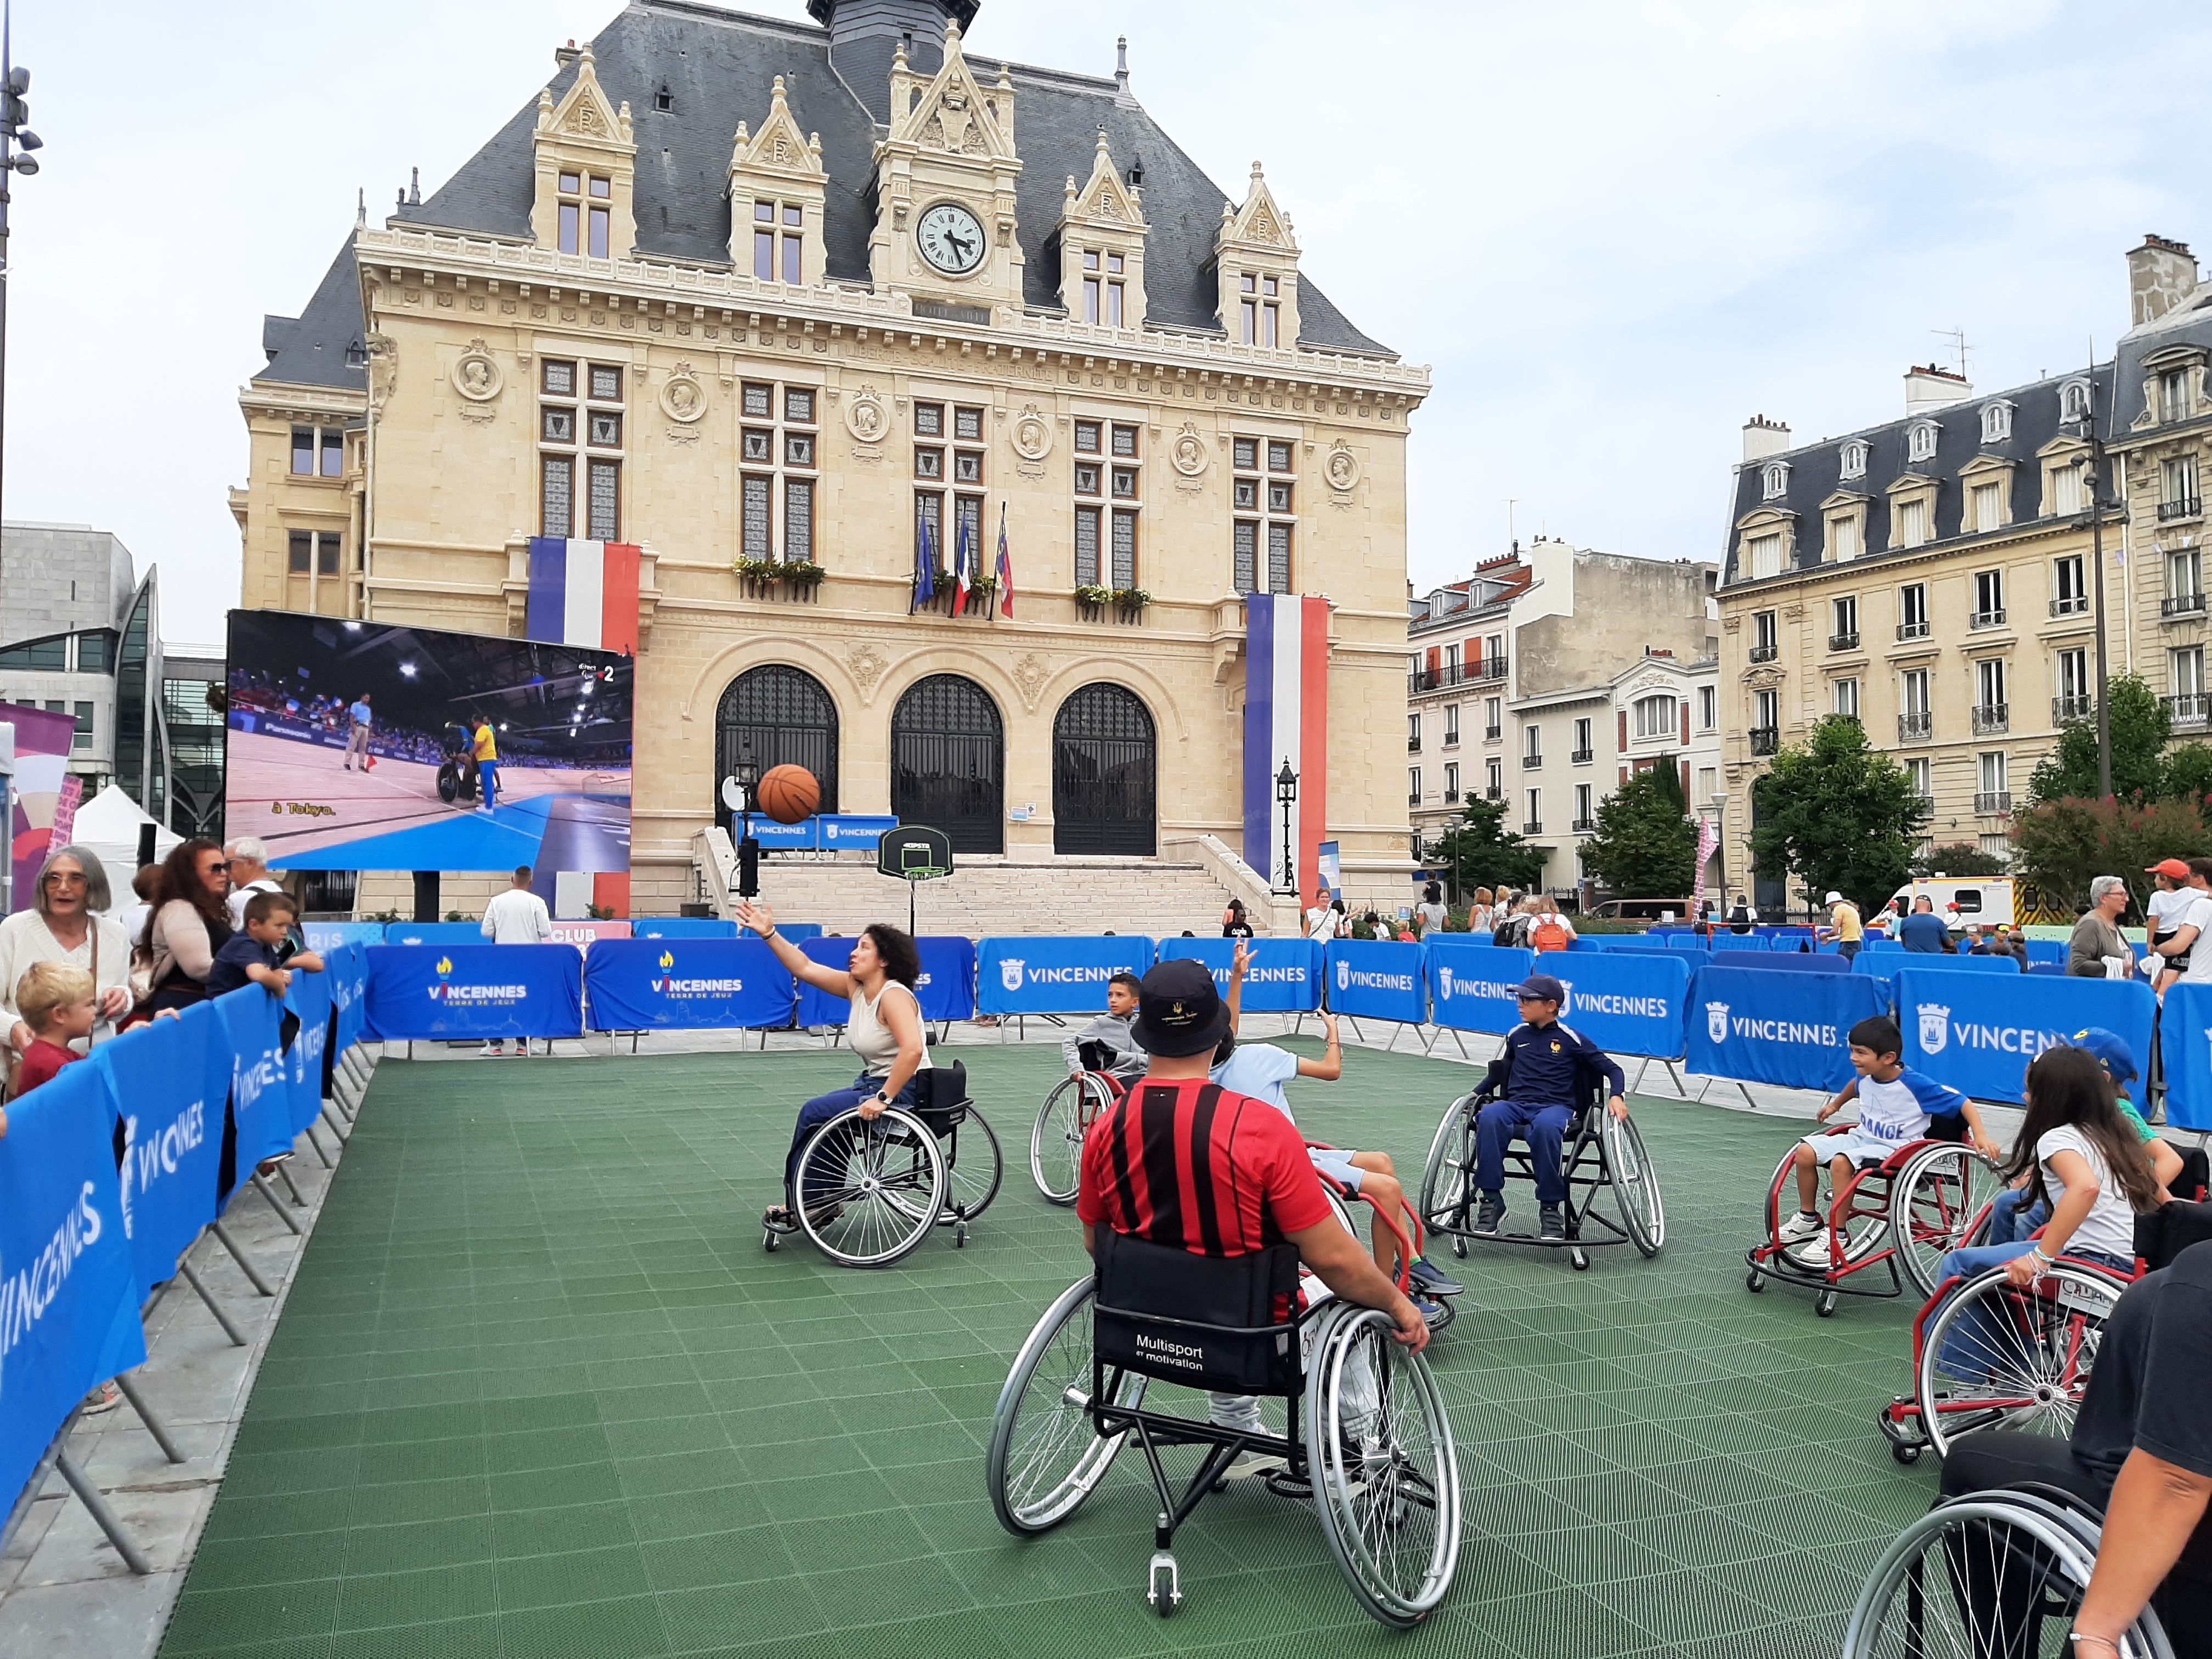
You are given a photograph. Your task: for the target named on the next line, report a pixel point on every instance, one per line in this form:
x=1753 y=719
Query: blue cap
x=1542 y=986
x=2111 y=1051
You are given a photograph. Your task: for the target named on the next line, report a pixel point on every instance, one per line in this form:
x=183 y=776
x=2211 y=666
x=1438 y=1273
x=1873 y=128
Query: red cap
x=2173 y=867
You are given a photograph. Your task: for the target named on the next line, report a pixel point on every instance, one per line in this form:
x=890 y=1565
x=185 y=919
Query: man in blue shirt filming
x=1543 y=1076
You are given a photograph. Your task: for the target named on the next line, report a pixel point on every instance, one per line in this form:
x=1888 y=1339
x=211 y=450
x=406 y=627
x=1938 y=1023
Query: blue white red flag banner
x=583 y=593
x=1285 y=719
x=1005 y=567
x=964 y=564
x=924 y=562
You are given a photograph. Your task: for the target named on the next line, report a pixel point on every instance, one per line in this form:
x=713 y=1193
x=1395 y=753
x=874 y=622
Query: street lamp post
x=2095 y=493
x=14 y=135
x=1286 y=792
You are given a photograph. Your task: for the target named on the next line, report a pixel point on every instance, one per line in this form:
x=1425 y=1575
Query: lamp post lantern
x=1286 y=792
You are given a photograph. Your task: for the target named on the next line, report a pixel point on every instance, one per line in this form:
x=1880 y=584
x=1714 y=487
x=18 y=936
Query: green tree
x=1837 y=814
x=1645 y=847
x=2060 y=844
x=2139 y=726
x=2189 y=772
x=1959 y=859
x=1480 y=852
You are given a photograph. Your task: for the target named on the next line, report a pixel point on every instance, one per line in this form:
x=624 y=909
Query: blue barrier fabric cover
x=797 y=932
x=1890 y=963
x=329 y=935
x=68 y=1287
x=2053 y=950
x=169 y=1080
x=421 y=991
x=685 y=984
x=1471 y=986
x=1788 y=961
x=1055 y=974
x=260 y=1080
x=434 y=932
x=682 y=927
x=1629 y=1003
x=858 y=830
x=2185 y=1035
x=1284 y=977
x=1978 y=1035
x=347 y=969
x=1759 y=1026
x=1376 y=980
x=947 y=989
x=309 y=998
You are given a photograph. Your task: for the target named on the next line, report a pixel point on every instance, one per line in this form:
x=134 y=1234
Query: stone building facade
x=775 y=302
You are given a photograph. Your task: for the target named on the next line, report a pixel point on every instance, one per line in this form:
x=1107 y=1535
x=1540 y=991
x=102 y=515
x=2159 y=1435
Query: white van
x=1986 y=899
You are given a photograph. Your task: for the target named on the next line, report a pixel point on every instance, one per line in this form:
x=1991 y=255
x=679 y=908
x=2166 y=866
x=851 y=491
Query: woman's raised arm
x=761 y=919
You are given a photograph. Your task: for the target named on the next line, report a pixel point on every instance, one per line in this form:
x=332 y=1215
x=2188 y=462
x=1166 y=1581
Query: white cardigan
x=26 y=940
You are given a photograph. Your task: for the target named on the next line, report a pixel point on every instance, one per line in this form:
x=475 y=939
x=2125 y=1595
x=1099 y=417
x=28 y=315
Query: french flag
x=1286 y=718
x=583 y=593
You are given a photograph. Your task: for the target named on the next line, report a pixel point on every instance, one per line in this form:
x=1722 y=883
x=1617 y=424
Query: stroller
x=457 y=772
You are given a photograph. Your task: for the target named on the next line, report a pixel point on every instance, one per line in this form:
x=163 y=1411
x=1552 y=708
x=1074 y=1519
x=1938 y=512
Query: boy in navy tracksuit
x=1545 y=1070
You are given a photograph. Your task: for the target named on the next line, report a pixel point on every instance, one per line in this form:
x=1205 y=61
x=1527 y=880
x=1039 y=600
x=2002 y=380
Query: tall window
x=1844 y=623
x=1413 y=786
x=1262 y=486
x=1493 y=720
x=1765 y=635
x=1494 y=779
x=1989 y=599
x=318 y=452
x=1583 y=750
x=1260 y=309
x=1767 y=710
x=1990 y=768
x=1109 y=489
x=1103 y=288
x=585 y=213
x=2066 y=493
x=1911 y=522
x=779 y=241
x=1847 y=698
x=1709 y=708
x=1533 y=825
x=1766 y=554
x=1451 y=782
x=314 y=552
x=1843 y=537
x=1532 y=745
x=2173 y=395
x=1913 y=692
x=580 y=419
x=780 y=458
x=2185 y=672
x=1990 y=679
x=1655 y=717
x=1412 y=731
x=1920 y=773
x=1451 y=724
x=2184 y=578
x=1989 y=506
x=1912 y=612
x=2069 y=590
x=2178 y=487
x=1584 y=817
x=2074 y=701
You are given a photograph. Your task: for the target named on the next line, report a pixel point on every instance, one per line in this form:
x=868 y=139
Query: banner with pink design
x=43 y=790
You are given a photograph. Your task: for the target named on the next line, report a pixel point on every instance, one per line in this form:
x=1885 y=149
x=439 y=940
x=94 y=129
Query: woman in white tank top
x=885 y=1028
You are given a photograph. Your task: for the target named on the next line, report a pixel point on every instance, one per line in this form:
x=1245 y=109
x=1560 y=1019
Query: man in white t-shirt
x=2189 y=921
x=2172 y=897
x=518 y=916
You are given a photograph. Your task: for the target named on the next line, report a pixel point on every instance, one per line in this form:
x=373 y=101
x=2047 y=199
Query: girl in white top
x=884 y=1029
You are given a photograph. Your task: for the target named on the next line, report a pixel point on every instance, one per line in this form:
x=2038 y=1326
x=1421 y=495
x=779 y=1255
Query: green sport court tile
x=539 y=1392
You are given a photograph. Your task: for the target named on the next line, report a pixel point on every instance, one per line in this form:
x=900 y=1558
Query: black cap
x=1179 y=1010
x=1541 y=986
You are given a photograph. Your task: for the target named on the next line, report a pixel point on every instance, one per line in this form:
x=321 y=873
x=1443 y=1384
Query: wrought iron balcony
x=2183 y=507
x=2182 y=605
x=1491 y=733
x=1844 y=642
x=1420 y=680
x=1414 y=744
x=1764 y=653
x=1995 y=618
x=1532 y=827
x=1582 y=756
x=1413 y=798
x=1493 y=794
x=1913 y=630
x=2072 y=605
x=1991 y=718
x=1992 y=803
x=2064 y=708
x=1451 y=797
x=2188 y=707
x=1584 y=826
x=1916 y=728
x=1451 y=739
x=1766 y=739
x=1530 y=763
x=1490 y=668
x=1927 y=804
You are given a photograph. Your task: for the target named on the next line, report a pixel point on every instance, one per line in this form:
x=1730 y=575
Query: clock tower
x=945 y=190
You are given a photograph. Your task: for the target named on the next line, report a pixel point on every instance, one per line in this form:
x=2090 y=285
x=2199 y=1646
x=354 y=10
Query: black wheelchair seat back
x=1206 y=1321
x=2169 y=1229
x=1094 y=1055
x=942 y=1096
x=2195 y=1181
x=1951 y=1127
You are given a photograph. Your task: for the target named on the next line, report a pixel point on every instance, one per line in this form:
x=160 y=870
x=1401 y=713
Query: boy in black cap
x=1545 y=1065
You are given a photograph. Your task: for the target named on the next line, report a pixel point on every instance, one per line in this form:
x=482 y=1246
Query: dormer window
x=1855 y=459
x=1103 y=290
x=776 y=230
x=1996 y=422
x=2173 y=395
x=587 y=215
x=1776 y=482
x=664 y=101
x=2074 y=402
x=1920 y=441
x=1261 y=310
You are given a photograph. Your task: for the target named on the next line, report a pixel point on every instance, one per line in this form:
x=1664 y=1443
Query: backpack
x=1549 y=934
x=1511 y=933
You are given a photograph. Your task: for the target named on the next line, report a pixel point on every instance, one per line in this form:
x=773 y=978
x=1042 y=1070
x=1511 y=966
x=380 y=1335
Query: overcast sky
x=1615 y=230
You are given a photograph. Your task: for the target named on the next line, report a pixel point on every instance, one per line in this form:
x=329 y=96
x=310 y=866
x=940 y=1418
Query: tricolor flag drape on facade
x=925 y=566
x=1005 y=567
x=583 y=593
x=1285 y=717
x=963 y=565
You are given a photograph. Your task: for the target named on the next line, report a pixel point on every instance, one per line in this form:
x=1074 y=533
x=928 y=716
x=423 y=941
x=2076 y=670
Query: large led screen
x=353 y=746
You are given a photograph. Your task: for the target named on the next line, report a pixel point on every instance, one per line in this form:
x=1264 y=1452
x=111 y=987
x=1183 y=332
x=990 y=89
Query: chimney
x=2161 y=276
x=1928 y=388
x=1763 y=437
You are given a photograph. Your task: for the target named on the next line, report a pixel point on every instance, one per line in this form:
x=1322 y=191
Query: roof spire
x=1121 y=60
x=361 y=208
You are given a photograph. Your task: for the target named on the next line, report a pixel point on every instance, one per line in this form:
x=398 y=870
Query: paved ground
x=539 y=1391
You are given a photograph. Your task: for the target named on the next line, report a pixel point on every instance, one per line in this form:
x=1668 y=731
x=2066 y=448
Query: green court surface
x=539 y=1391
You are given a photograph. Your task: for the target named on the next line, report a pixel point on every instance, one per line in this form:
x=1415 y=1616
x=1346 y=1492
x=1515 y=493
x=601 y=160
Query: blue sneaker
x=1429 y=1279
x=1434 y=1312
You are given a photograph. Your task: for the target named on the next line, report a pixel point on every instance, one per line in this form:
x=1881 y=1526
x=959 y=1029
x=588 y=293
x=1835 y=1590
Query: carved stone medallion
x=868 y=665
x=681 y=397
x=1341 y=468
x=1188 y=452
x=866 y=417
x=476 y=374
x=1030 y=674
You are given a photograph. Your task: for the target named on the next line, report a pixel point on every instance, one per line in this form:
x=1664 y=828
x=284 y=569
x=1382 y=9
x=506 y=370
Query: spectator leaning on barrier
x=60 y=926
x=257 y=954
x=518 y=916
x=190 y=924
x=2097 y=937
x=247 y=860
x=1845 y=926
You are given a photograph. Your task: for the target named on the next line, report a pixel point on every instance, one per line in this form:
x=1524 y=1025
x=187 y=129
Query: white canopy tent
x=108 y=824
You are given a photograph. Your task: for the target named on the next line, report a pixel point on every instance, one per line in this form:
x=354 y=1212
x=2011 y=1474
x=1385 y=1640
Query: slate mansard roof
x=719 y=67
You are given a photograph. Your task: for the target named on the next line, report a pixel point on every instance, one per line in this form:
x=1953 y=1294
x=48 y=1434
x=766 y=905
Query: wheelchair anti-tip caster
x=1578 y=1258
x=1904 y=1454
x=1825 y=1304
x=959 y=1235
x=768 y=1240
x=1754 y=1281
x=1459 y=1249
x=1165 y=1589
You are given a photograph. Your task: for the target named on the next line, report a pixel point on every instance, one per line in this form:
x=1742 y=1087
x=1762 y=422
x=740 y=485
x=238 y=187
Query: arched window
x=1997 y=421
x=773 y=715
x=1920 y=441
x=1657 y=716
x=2073 y=401
x=1855 y=459
x=1104 y=762
x=949 y=763
x=1777 y=480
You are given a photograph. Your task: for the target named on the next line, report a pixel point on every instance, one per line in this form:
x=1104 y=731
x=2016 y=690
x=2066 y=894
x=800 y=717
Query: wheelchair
x=884 y=1185
x=1367 y=1439
x=1065 y=1119
x=1913 y=1208
x=1600 y=1152
x=1995 y=1573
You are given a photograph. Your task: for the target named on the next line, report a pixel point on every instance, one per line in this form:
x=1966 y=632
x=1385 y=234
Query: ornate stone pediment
x=585 y=112
x=954 y=115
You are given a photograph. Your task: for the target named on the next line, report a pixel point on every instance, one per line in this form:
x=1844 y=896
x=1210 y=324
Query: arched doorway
x=1104 y=758
x=949 y=763
x=772 y=715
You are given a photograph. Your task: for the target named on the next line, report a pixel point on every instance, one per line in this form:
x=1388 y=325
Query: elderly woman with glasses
x=61 y=926
x=2097 y=941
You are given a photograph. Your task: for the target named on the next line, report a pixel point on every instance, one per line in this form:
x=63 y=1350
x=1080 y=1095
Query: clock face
x=951 y=238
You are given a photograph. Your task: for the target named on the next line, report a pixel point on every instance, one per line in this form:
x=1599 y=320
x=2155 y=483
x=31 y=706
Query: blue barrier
x=1757 y=1026
x=1788 y=961
x=682 y=984
x=947 y=989
x=330 y=935
x=348 y=967
x=860 y=831
x=490 y=991
x=307 y=1022
x=1366 y=979
x=1724 y=940
x=1055 y=974
x=1888 y=964
x=166 y=1081
x=1629 y=1004
x=2054 y=950
x=260 y=1080
x=2185 y=1036
x=1471 y=986
x=2048 y=969
x=797 y=932
x=1877 y=942
x=434 y=932
x=1979 y=1035
x=1583 y=942
x=1284 y=977
x=682 y=927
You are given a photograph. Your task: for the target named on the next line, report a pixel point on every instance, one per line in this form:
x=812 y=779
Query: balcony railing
x=2182 y=605
x=1992 y=803
x=1493 y=794
x=1927 y=805
x=1422 y=679
x=1491 y=733
x=1457 y=673
x=1532 y=827
x=1451 y=797
x=2185 y=506
x=1764 y=653
x=1490 y=668
x=1913 y=630
x=1451 y=739
x=2072 y=605
x=1414 y=798
x=1582 y=756
x=1844 y=642
x=1991 y=718
x=1530 y=763
x=1916 y=728
x=1994 y=618
x=2064 y=708
x=2188 y=707
x=1584 y=826
x=1414 y=744
x=1766 y=739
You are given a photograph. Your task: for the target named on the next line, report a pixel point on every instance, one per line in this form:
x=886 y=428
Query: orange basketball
x=789 y=793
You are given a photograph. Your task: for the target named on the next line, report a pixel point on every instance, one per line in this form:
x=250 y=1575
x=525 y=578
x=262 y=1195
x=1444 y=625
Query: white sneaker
x=1799 y=1228
x=491 y=1048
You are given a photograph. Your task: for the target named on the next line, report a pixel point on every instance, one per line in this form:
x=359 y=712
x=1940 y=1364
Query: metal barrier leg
x=245 y=1262
x=284 y=1175
x=261 y=1186
x=310 y=1133
x=153 y=1423
x=1679 y=1087
x=108 y=1521
x=237 y=1337
x=1637 y=1087
x=336 y=1128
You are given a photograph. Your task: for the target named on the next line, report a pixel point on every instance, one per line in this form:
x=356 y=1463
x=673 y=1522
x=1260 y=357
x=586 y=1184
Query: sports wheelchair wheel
x=1443 y=1176
x=1385 y=1476
x=868 y=1193
x=1862 y=1234
x=1635 y=1184
x=2023 y=1357
x=973 y=1169
x=1046 y=1455
x=1997 y=1572
x=1936 y=1200
x=1056 y=1137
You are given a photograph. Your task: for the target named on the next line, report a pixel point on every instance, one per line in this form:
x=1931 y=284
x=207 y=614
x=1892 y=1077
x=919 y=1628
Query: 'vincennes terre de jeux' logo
x=474 y=996
x=1717 y=1015
x=668 y=983
x=1935 y=1027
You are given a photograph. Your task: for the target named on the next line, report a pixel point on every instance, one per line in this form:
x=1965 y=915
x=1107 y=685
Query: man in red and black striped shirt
x=1181 y=1160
